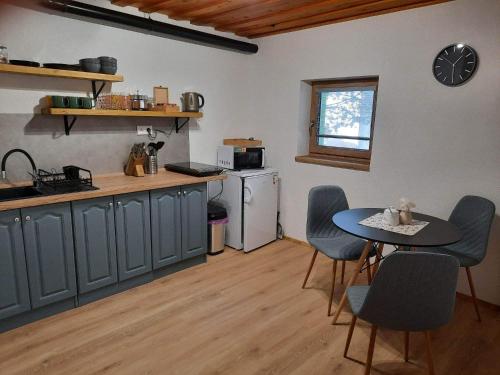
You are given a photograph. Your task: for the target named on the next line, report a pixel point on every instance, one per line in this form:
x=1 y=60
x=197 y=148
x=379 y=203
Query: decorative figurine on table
x=405 y=206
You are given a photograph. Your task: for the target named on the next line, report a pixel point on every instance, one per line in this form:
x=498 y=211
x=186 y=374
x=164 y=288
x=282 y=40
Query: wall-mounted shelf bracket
x=180 y=126
x=96 y=91
x=71 y=114
x=68 y=125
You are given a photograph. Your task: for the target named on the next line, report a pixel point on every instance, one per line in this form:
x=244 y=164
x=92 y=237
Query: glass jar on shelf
x=4 y=56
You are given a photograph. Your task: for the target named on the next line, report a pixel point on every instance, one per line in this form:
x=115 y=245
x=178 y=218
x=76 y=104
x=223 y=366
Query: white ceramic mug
x=391 y=216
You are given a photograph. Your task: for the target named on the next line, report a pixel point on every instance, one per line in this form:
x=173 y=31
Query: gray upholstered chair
x=412 y=291
x=473 y=216
x=325 y=237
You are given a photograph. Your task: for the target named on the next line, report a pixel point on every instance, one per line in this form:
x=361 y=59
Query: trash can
x=217 y=220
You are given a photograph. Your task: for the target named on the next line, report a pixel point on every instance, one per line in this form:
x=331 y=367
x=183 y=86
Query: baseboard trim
x=36 y=314
x=299 y=242
x=459 y=295
x=180 y=266
x=27 y=317
x=108 y=291
x=482 y=302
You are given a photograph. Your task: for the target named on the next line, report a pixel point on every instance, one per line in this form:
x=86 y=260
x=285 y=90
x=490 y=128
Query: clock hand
x=444 y=58
x=452 y=72
x=458 y=59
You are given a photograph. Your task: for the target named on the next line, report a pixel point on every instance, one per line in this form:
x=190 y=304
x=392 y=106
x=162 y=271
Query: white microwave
x=238 y=158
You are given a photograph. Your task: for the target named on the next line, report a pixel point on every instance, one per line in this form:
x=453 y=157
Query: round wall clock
x=455 y=64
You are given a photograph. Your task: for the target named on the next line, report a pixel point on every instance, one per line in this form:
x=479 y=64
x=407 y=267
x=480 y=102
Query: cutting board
x=242 y=142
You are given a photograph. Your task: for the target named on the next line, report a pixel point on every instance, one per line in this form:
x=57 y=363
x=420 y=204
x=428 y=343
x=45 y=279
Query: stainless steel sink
x=20 y=192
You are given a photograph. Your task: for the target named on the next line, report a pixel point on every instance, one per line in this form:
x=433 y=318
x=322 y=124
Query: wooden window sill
x=335 y=161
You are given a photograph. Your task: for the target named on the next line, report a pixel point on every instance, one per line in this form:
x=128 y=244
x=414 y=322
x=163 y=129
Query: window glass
x=345 y=117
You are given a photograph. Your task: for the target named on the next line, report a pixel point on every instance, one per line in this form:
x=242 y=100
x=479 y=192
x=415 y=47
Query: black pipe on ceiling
x=150 y=26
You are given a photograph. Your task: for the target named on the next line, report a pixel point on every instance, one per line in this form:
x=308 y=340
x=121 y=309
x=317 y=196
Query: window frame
x=319 y=86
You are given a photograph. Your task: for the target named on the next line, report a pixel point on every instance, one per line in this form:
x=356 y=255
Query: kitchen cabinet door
x=166 y=226
x=95 y=243
x=48 y=242
x=14 y=291
x=133 y=234
x=194 y=220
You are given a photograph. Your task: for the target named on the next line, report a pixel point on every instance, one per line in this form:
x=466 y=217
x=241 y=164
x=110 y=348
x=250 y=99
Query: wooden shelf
x=59 y=73
x=117 y=113
x=74 y=113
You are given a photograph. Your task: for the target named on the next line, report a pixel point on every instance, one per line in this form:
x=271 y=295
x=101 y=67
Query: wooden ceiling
x=257 y=18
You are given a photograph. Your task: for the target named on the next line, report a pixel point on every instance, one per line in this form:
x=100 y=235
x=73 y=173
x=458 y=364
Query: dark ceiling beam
x=149 y=26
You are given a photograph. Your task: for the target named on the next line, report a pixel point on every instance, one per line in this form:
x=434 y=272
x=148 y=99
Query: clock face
x=455 y=64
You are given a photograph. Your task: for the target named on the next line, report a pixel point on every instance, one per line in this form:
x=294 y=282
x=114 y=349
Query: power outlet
x=143 y=129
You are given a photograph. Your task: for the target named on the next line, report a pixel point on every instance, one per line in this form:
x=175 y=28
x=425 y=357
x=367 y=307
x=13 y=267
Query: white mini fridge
x=251 y=200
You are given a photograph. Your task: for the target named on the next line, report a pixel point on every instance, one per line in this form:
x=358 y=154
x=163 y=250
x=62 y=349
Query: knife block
x=135 y=166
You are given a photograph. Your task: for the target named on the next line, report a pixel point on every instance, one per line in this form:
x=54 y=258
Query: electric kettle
x=191 y=102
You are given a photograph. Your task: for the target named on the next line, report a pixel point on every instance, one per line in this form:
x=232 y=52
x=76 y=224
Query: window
x=342 y=118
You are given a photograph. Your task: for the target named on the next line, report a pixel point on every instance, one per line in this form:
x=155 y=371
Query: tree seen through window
x=345 y=118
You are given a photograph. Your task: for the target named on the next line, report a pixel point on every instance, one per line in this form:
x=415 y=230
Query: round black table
x=437 y=233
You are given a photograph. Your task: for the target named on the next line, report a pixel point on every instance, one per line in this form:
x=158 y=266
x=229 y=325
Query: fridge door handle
x=247 y=195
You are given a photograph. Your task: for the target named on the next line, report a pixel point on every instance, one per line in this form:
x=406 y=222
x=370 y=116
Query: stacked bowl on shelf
x=103 y=64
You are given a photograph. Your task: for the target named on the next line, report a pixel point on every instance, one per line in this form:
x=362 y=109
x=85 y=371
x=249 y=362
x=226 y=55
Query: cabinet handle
x=179 y=193
x=17 y=220
x=119 y=203
x=185 y=192
x=28 y=218
x=110 y=204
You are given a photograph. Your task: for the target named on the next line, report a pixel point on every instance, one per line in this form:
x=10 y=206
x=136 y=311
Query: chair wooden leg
x=343 y=271
x=407 y=344
x=380 y=248
x=371 y=347
x=473 y=293
x=352 y=280
x=369 y=270
x=334 y=274
x=430 y=364
x=310 y=268
x=349 y=335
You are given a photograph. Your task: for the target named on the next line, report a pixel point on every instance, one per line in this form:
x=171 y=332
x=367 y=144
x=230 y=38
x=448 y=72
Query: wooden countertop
x=112 y=184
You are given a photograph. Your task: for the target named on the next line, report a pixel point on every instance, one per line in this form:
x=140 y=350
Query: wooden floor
x=238 y=314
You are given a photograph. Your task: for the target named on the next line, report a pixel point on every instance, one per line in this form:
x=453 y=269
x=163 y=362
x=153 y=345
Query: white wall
x=432 y=143
x=144 y=60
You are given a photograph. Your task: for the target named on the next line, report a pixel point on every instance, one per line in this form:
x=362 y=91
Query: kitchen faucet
x=4 y=160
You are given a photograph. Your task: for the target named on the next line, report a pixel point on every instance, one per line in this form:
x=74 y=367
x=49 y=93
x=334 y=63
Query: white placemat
x=376 y=221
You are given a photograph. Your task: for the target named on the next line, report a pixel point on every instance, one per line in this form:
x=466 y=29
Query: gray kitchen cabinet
x=166 y=226
x=95 y=243
x=194 y=220
x=48 y=242
x=133 y=234
x=14 y=290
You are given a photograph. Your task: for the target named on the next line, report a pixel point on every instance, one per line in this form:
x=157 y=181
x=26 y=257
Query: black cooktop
x=195 y=169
